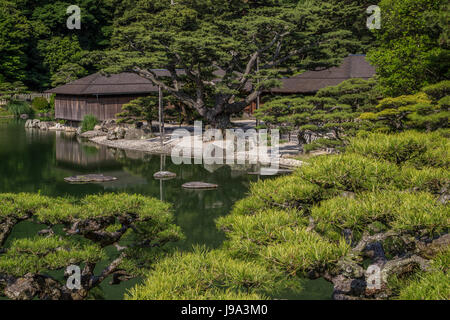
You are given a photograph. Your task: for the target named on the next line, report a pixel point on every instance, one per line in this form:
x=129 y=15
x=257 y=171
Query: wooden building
x=100 y=95
x=103 y=96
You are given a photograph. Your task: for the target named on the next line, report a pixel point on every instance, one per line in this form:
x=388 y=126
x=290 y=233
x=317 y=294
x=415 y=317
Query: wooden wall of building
x=74 y=108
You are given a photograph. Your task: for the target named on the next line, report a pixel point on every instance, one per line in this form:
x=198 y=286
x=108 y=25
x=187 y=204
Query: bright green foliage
x=317 y=222
x=410 y=148
x=438 y=91
x=205 y=275
x=88 y=123
x=144 y=108
x=141 y=225
x=349 y=172
x=290 y=192
x=392 y=210
x=40 y=104
x=410 y=52
x=279 y=238
x=434 y=285
x=419 y=111
x=332 y=110
x=38 y=254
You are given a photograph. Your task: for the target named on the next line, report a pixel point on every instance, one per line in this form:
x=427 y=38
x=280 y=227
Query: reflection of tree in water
x=195 y=210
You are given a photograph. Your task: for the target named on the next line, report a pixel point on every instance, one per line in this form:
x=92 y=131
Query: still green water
x=37 y=161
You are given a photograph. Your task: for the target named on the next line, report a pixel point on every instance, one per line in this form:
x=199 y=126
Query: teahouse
x=104 y=95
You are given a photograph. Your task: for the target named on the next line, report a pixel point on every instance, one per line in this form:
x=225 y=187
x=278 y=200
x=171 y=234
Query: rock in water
x=199 y=185
x=164 y=175
x=89 y=178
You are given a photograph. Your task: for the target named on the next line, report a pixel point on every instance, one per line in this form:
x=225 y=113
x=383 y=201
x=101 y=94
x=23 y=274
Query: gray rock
x=199 y=185
x=89 y=178
x=111 y=135
x=163 y=175
x=121 y=132
x=93 y=134
x=138 y=134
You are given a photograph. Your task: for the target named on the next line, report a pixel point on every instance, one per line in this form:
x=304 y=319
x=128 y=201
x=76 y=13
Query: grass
x=18 y=108
x=89 y=122
x=5 y=113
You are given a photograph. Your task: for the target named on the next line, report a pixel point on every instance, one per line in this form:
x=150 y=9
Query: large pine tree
x=214 y=49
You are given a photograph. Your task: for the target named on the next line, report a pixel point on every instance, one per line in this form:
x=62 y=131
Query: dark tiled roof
x=115 y=84
x=353 y=66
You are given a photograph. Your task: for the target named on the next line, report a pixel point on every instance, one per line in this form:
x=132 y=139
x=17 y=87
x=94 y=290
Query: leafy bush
x=143 y=108
x=329 y=219
x=88 y=123
x=392 y=210
x=40 y=104
x=205 y=275
x=412 y=148
x=91 y=225
x=416 y=111
x=332 y=110
x=433 y=285
x=438 y=91
x=350 y=172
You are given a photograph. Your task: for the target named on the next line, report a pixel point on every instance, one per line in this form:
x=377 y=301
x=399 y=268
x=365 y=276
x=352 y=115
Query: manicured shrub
x=51 y=253
x=407 y=148
x=330 y=219
x=350 y=172
x=40 y=104
x=205 y=275
x=88 y=123
x=279 y=238
x=432 y=285
x=286 y=192
x=438 y=91
x=144 y=225
x=392 y=210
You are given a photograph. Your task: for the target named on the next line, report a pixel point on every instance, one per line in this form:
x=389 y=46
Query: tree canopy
x=411 y=48
x=78 y=232
x=220 y=56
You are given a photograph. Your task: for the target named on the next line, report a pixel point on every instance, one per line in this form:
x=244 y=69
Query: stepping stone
x=199 y=185
x=164 y=175
x=89 y=178
x=271 y=172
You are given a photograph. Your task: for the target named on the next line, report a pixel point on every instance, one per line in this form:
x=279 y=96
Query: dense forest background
x=38 y=51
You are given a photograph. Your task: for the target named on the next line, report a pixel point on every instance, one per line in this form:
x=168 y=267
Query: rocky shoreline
x=136 y=137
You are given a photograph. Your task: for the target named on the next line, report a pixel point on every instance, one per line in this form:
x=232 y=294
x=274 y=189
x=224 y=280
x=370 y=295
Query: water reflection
x=38 y=161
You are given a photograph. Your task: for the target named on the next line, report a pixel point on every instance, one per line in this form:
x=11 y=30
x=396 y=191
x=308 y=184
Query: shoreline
x=153 y=146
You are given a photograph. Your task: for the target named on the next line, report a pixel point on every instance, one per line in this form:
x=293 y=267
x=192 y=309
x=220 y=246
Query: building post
x=257 y=99
x=161 y=117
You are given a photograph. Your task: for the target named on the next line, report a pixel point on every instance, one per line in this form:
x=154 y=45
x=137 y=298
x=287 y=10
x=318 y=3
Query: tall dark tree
x=221 y=56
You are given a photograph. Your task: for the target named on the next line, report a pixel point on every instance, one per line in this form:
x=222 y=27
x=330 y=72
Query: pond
x=38 y=161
